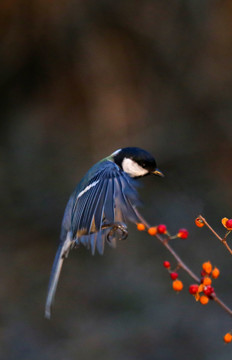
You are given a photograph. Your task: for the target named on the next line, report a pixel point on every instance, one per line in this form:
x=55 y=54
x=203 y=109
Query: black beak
x=158 y=173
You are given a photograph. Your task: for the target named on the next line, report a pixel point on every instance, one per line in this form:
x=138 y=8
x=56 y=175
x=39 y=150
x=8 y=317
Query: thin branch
x=222 y=240
x=180 y=261
x=222 y=304
x=227 y=246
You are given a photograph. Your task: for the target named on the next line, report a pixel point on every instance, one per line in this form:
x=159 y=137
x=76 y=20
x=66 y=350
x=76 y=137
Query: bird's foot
x=117 y=229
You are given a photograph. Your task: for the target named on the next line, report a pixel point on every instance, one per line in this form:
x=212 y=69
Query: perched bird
x=100 y=205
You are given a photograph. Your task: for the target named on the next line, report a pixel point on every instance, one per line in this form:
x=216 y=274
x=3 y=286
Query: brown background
x=80 y=79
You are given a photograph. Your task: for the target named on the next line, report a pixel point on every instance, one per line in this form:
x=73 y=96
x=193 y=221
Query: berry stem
x=222 y=240
x=181 y=264
x=228 y=233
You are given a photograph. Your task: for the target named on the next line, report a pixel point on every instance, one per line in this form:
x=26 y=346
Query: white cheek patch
x=87 y=188
x=132 y=168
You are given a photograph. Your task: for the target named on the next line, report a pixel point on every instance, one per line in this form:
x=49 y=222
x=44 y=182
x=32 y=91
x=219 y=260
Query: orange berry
x=227 y=338
x=140 y=227
x=215 y=273
x=207 y=267
x=207 y=281
x=227 y=223
x=224 y=221
x=152 y=230
x=177 y=285
x=204 y=300
x=199 y=222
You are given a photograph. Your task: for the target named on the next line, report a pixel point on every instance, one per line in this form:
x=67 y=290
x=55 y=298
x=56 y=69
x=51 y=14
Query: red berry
x=203 y=273
x=229 y=224
x=183 y=233
x=193 y=289
x=161 y=229
x=208 y=290
x=166 y=264
x=174 y=275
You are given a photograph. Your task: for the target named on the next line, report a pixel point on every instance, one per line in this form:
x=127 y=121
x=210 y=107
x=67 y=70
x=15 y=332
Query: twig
x=222 y=240
x=182 y=264
x=222 y=304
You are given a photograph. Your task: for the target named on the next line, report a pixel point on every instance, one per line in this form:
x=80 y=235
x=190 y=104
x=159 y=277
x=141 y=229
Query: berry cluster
x=162 y=229
x=204 y=292
x=177 y=285
x=227 y=223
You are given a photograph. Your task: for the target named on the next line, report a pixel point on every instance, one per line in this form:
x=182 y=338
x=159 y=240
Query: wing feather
x=109 y=203
x=81 y=209
x=109 y=196
x=90 y=208
x=99 y=213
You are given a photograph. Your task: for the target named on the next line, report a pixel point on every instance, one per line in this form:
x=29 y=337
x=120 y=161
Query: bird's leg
x=67 y=246
x=114 y=228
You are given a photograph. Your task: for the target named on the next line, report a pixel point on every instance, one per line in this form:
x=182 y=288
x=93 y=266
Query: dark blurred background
x=80 y=79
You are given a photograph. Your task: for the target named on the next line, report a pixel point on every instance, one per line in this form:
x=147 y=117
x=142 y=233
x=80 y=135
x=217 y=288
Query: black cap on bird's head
x=136 y=162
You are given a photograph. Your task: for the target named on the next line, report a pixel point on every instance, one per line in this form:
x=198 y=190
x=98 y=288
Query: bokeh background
x=80 y=79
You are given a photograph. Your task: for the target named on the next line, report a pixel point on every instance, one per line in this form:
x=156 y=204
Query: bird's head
x=136 y=162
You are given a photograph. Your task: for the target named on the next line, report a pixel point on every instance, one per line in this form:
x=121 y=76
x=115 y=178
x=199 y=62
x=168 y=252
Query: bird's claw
x=116 y=227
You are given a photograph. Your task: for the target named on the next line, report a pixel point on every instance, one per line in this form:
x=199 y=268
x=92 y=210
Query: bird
x=100 y=206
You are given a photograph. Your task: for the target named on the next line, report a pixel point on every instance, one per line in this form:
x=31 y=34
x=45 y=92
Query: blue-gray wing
x=110 y=196
x=105 y=196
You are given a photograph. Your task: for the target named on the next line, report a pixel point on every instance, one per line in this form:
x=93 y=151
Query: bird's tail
x=61 y=253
